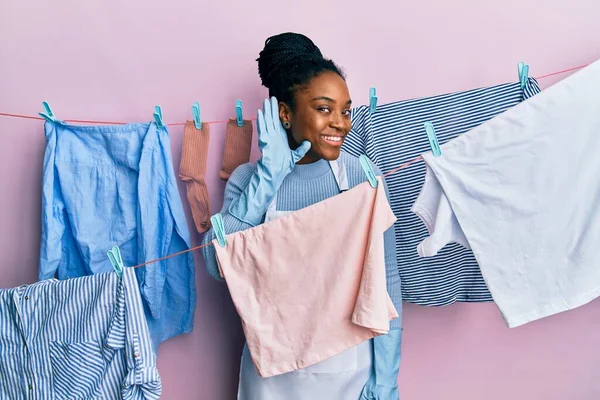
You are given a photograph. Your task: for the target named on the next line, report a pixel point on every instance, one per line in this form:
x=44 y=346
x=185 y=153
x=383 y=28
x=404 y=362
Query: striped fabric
x=81 y=338
x=394 y=134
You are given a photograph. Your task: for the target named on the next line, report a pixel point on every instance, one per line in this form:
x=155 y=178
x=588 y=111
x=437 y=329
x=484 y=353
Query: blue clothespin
x=48 y=115
x=219 y=229
x=372 y=99
x=523 y=74
x=196 y=115
x=158 y=117
x=238 y=113
x=114 y=256
x=366 y=166
x=433 y=141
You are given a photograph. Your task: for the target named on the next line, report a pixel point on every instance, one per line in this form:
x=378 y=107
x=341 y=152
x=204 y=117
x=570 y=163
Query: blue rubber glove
x=383 y=383
x=277 y=161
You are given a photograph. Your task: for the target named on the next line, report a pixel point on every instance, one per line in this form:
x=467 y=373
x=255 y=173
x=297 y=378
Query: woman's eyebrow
x=328 y=99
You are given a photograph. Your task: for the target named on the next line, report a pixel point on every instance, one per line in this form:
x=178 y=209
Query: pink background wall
x=114 y=60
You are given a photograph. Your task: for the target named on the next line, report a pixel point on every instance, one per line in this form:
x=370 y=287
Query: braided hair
x=288 y=63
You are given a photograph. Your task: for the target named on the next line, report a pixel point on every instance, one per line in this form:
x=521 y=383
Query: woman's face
x=321 y=116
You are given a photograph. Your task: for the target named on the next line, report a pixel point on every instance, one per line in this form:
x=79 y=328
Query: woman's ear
x=285 y=115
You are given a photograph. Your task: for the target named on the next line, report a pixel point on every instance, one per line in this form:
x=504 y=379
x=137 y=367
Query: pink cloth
x=311 y=284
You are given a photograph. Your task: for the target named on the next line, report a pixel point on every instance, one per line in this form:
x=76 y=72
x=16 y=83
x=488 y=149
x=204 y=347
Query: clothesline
x=210 y=243
x=393 y=171
x=22 y=116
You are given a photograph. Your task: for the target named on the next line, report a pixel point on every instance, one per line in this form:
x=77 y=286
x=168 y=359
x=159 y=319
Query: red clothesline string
x=85 y=121
x=561 y=72
x=174 y=255
x=3 y=114
x=210 y=243
x=216 y=122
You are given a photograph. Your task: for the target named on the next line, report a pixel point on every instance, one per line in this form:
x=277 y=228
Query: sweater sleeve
x=236 y=184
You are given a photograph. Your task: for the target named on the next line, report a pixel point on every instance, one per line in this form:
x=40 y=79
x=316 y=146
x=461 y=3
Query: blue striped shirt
x=81 y=338
x=394 y=134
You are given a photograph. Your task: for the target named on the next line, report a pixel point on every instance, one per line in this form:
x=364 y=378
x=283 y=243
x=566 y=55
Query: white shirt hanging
x=523 y=192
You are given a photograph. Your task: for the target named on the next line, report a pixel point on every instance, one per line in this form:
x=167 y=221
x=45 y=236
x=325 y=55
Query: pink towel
x=311 y=284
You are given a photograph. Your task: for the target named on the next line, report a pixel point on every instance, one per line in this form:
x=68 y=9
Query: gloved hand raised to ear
x=276 y=163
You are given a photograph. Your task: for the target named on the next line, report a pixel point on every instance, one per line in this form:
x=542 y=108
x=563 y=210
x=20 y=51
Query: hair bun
x=283 y=50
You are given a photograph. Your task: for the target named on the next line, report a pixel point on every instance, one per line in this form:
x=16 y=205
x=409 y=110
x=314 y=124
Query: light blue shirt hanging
x=115 y=185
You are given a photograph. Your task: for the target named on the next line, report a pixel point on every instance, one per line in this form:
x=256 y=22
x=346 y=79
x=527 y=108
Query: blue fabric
x=394 y=134
x=115 y=185
x=80 y=338
x=383 y=383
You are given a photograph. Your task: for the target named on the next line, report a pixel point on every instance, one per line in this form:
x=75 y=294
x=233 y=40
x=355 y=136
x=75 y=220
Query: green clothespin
x=158 y=117
x=366 y=166
x=219 y=229
x=523 y=73
x=372 y=100
x=48 y=115
x=196 y=115
x=114 y=256
x=433 y=140
x=239 y=118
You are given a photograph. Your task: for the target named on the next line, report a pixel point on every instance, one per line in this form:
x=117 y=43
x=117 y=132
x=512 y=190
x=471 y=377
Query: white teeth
x=333 y=138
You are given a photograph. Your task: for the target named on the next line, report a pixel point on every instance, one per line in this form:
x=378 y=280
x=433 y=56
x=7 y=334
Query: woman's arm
x=237 y=183
x=251 y=188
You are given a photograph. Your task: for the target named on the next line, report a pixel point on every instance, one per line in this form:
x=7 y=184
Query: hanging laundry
x=238 y=144
x=293 y=320
x=307 y=184
x=346 y=372
x=523 y=190
x=393 y=135
x=192 y=171
x=80 y=338
x=115 y=185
